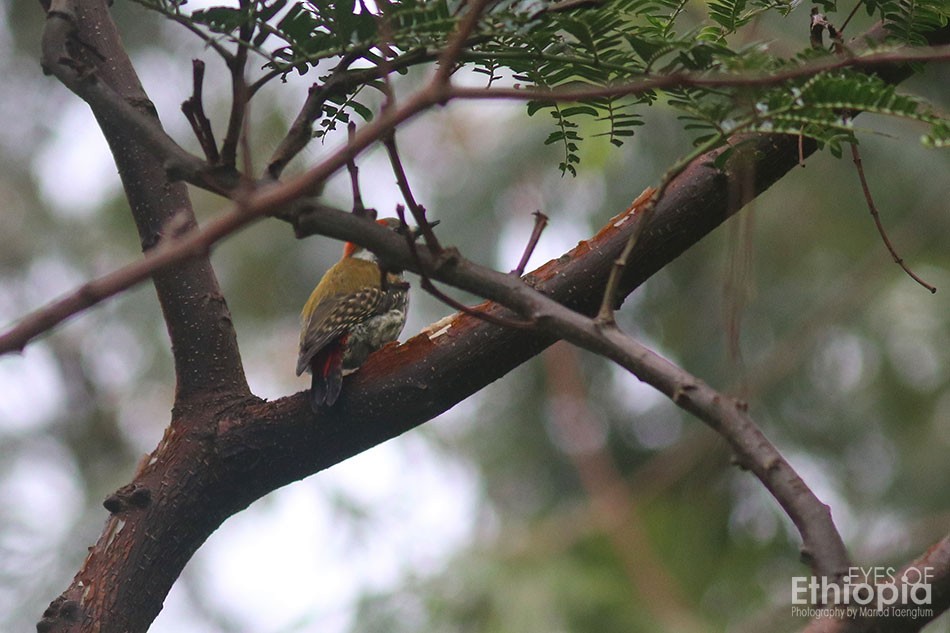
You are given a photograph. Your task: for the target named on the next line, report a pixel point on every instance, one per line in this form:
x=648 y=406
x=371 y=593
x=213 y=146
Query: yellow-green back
x=345 y=277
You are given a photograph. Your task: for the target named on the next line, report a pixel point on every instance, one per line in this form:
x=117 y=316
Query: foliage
x=592 y=45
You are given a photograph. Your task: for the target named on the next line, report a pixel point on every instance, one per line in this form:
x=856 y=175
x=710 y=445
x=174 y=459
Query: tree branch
x=931 y=568
x=705 y=80
x=822 y=547
x=207 y=361
x=135 y=113
x=239 y=93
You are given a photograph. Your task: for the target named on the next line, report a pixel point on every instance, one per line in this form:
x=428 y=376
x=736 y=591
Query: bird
x=354 y=310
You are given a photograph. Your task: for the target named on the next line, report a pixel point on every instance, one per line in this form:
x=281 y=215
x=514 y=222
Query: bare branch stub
x=540 y=221
x=865 y=188
x=817 y=26
x=193 y=109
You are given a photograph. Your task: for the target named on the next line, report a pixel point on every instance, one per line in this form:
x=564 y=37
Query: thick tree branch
x=82 y=48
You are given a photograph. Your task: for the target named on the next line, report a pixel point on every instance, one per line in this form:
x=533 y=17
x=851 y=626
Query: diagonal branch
x=822 y=546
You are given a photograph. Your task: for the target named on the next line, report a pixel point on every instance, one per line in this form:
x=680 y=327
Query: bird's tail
x=327 y=376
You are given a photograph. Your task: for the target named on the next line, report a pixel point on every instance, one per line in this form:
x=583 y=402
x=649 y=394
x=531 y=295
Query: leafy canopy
x=575 y=44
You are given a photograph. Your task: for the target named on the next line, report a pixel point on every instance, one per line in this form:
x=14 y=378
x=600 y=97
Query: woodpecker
x=351 y=313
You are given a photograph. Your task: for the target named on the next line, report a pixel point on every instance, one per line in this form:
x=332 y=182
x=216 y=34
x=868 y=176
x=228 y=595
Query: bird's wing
x=331 y=318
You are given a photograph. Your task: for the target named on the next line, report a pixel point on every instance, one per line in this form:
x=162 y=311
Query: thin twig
x=418 y=212
x=856 y=157
x=457 y=41
x=540 y=221
x=239 y=94
x=193 y=109
x=857 y=5
x=426 y=283
x=354 y=172
x=647 y=202
x=697 y=80
x=301 y=130
x=566 y=5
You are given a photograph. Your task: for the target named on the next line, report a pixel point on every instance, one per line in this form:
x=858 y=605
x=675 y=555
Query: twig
x=540 y=221
x=301 y=129
x=456 y=42
x=857 y=5
x=856 y=157
x=239 y=93
x=647 y=202
x=418 y=212
x=354 y=172
x=426 y=283
x=193 y=109
x=713 y=80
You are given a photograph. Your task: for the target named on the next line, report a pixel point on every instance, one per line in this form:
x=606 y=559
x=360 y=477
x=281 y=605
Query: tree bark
x=81 y=46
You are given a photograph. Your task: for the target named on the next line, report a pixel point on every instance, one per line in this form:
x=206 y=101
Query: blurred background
x=567 y=496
